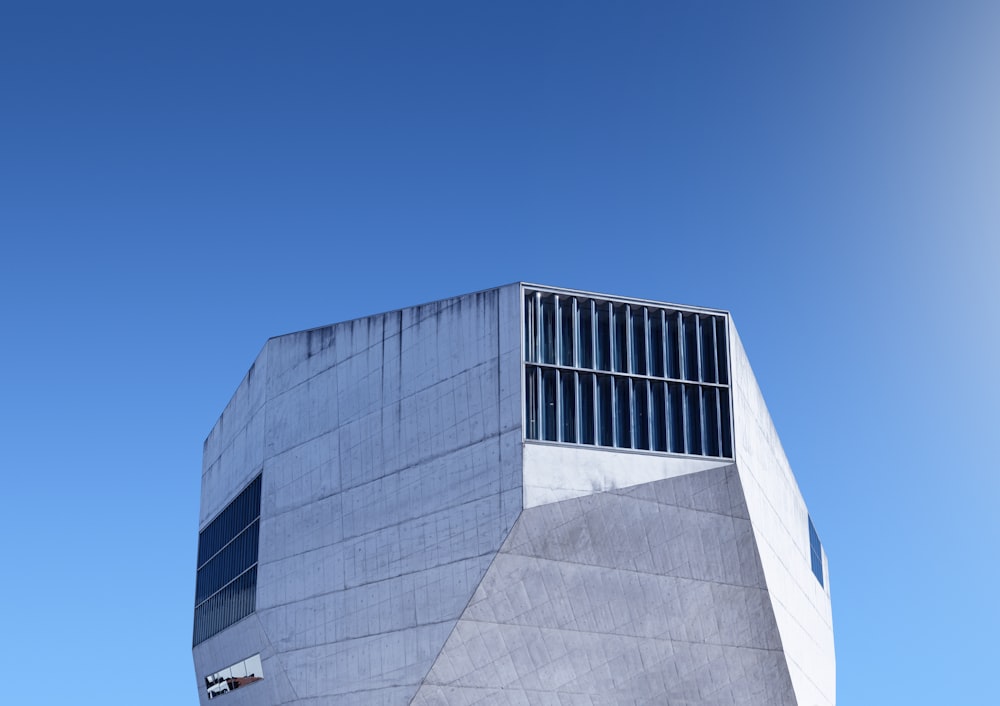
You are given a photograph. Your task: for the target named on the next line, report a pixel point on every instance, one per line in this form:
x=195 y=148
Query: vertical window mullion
x=538 y=327
x=557 y=435
x=686 y=418
x=718 y=420
x=681 y=362
x=557 y=331
x=649 y=412
x=614 y=410
x=697 y=344
x=714 y=359
x=574 y=325
x=647 y=348
x=576 y=398
x=593 y=338
x=627 y=366
x=539 y=403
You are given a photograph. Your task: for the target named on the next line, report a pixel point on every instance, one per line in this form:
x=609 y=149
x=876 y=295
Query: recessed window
x=626 y=375
x=815 y=553
x=226 y=587
x=233 y=677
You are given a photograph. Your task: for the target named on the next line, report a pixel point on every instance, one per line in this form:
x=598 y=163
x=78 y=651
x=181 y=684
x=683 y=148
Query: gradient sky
x=180 y=181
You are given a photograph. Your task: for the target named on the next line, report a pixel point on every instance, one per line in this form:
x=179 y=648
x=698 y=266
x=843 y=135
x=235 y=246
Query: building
x=525 y=495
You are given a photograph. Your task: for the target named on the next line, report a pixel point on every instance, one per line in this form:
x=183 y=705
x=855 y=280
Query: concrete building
x=525 y=495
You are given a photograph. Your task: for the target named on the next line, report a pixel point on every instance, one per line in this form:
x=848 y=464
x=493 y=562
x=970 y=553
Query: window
x=240 y=674
x=226 y=585
x=816 y=553
x=626 y=375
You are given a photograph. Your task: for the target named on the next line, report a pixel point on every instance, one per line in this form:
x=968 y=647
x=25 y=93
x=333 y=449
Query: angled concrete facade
x=426 y=535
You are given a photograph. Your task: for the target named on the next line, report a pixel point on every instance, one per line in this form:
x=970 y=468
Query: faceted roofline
x=524 y=285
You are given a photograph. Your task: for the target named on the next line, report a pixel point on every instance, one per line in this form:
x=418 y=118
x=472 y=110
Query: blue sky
x=180 y=181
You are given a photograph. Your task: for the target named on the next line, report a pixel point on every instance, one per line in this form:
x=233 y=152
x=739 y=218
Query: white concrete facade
x=416 y=548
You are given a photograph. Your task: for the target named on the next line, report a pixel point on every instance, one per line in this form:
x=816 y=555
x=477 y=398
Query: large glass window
x=626 y=375
x=226 y=584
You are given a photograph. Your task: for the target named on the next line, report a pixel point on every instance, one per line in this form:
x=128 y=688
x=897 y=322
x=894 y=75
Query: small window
x=231 y=678
x=816 y=553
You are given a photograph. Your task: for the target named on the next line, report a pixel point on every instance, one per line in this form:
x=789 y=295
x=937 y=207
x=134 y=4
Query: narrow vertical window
x=691 y=356
x=548 y=327
x=566 y=337
x=639 y=354
x=623 y=416
x=676 y=410
x=567 y=401
x=722 y=349
x=726 y=415
x=586 y=396
x=605 y=411
x=692 y=418
x=621 y=339
x=549 y=432
x=710 y=414
x=640 y=414
x=656 y=349
x=585 y=331
x=709 y=359
x=531 y=328
x=603 y=336
x=674 y=346
x=658 y=416
x=816 y=553
x=531 y=382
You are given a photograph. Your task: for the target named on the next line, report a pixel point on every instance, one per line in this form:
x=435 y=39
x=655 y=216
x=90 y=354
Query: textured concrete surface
x=391 y=456
x=415 y=549
x=649 y=594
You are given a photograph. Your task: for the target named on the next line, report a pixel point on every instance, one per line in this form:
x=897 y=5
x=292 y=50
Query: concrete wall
x=650 y=594
x=779 y=517
x=390 y=448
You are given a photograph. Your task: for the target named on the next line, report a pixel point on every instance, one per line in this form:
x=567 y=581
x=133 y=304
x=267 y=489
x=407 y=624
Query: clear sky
x=180 y=181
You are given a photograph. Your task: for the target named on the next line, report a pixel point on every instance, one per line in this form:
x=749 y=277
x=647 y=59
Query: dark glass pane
x=566 y=337
x=531 y=430
x=813 y=536
x=585 y=332
x=673 y=345
x=639 y=366
x=229 y=522
x=586 y=408
x=656 y=351
x=722 y=348
x=640 y=414
x=621 y=339
x=710 y=408
x=603 y=334
x=549 y=431
x=709 y=360
x=726 y=423
x=548 y=325
x=605 y=427
x=676 y=412
x=690 y=346
x=623 y=425
x=658 y=417
x=692 y=419
x=817 y=566
x=567 y=400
